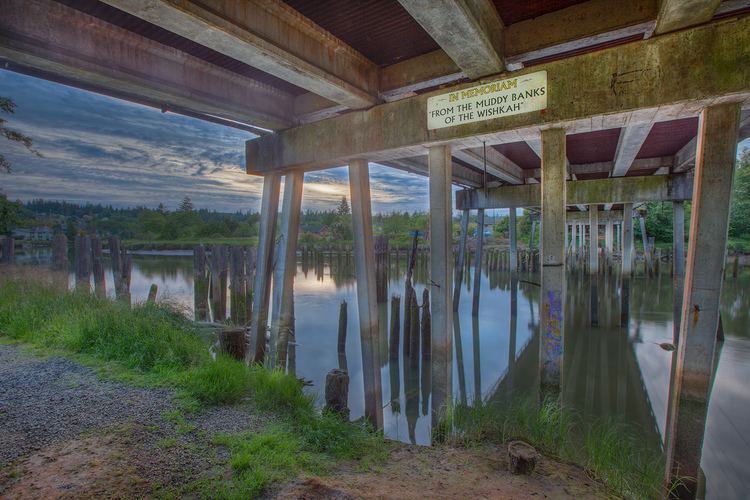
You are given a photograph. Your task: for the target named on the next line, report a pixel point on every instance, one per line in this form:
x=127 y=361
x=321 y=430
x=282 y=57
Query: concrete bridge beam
x=552 y=302
x=367 y=303
x=441 y=274
x=709 y=220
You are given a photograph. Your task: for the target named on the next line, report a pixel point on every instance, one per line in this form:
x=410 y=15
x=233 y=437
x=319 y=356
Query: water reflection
x=613 y=367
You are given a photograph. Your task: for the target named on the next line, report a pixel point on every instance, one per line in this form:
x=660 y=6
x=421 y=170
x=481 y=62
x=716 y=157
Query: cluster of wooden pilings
x=89 y=259
x=213 y=271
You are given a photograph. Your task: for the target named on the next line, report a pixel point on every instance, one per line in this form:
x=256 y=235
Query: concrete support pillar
x=567 y=236
x=459 y=271
x=478 y=262
x=513 y=240
x=364 y=268
x=608 y=237
x=552 y=302
x=627 y=239
x=282 y=310
x=441 y=213
x=531 y=234
x=709 y=221
x=575 y=236
x=593 y=239
x=644 y=240
x=269 y=207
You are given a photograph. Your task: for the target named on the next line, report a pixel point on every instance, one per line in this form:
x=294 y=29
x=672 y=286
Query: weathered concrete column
x=593 y=239
x=478 y=262
x=552 y=302
x=644 y=241
x=282 y=310
x=608 y=237
x=513 y=240
x=440 y=171
x=269 y=207
x=575 y=236
x=367 y=303
x=627 y=239
x=691 y=386
x=678 y=240
x=567 y=236
x=461 y=259
x=531 y=234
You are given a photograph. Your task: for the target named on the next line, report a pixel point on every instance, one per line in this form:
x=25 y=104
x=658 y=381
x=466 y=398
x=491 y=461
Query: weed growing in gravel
x=605 y=448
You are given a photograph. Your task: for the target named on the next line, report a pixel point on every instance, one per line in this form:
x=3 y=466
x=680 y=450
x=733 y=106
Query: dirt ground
x=442 y=472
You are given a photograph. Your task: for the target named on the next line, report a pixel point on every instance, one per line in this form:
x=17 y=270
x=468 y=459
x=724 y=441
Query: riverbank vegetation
x=609 y=451
x=156 y=345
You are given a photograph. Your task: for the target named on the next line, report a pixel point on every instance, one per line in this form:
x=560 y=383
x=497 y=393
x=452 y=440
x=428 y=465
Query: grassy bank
x=156 y=345
x=609 y=451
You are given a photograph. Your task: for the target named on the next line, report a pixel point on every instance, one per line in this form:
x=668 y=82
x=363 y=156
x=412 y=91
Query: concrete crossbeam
x=273 y=37
x=498 y=165
x=678 y=14
x=373 y=133
x=598 y=191
x=469 y=31
x=632 y=138
x=68 y=45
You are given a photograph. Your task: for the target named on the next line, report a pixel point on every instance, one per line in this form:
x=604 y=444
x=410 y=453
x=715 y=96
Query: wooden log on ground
x=152 y=293
x=83 y=263
x=200 y=284
x=522 y=458
x=97 y=260
x=337 y=393
x=232 y=342
x=395 y=327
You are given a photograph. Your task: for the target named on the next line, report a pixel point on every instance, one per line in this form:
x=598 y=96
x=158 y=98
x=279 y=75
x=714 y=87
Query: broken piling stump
x=522 y=457
x=337 y=392
x=232 y=342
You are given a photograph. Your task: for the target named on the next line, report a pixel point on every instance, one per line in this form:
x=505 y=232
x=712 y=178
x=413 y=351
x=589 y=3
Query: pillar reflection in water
x=460 y=360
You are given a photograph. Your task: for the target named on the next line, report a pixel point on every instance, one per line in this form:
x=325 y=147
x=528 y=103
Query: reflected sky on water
x=609 y=370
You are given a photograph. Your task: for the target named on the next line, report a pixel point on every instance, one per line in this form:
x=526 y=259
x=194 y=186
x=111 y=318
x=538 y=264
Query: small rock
x=522 y=457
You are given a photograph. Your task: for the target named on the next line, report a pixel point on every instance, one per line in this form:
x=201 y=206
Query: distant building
x=42 y=233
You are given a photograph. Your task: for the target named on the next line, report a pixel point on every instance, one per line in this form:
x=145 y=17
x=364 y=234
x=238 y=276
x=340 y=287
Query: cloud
x=104 y=150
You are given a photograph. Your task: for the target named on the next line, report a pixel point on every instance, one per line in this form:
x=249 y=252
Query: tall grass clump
x=608 y=450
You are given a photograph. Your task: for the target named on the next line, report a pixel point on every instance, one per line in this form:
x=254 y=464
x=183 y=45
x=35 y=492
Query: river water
x=614 y=365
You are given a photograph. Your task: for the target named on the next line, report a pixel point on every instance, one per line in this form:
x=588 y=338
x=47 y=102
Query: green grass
x=609 y=450
x=153 y=344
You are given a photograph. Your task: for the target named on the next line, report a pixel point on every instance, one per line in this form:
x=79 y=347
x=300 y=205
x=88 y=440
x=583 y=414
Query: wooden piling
x=9 y=251
x=97 y=260
x=381 y=268
x=736 y=266
x=200 y=284
x=408 y=292
x=60 y=253
x=232 y=342
x=152 y=293
x=250 y=261
x=217 y=263
x=116 y=257
x=343 y=315
x=395 y=327
x=337 y=393
x=426 y=324
x=127 y=269
x=414 y=331
x=83 y=263
x=238 y=286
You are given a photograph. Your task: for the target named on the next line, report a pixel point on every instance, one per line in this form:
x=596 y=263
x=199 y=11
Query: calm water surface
x=609 y=370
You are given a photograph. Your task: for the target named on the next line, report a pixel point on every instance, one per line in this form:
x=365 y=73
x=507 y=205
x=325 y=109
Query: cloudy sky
x=105 y=150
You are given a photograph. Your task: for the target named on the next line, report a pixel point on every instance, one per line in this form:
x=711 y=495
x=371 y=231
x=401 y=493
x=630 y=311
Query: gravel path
x=50 y=400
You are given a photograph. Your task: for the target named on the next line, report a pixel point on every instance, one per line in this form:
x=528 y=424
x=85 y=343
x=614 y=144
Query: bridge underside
x=646 y=101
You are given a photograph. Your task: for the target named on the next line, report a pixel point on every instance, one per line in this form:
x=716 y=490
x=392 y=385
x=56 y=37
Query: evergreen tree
x=343 y=208
x=186 y=205
x=8 y=106
x=739 y=214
